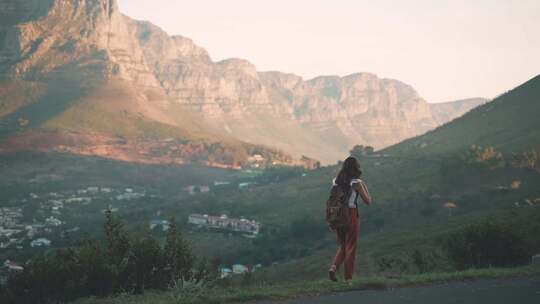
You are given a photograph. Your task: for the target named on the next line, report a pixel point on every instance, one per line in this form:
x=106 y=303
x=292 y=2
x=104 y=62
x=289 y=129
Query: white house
x=52 y=221
x=11 y=266
x=83 y=200
x=41 y=242
x=243 y=185
x=93 y=189
x=239 y=269
x=220 y=183
x=198 y=219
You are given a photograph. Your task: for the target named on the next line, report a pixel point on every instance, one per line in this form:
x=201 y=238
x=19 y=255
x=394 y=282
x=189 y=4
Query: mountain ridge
x=100 y=47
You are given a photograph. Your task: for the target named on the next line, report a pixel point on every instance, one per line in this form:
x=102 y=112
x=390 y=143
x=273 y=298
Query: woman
x=349 y=176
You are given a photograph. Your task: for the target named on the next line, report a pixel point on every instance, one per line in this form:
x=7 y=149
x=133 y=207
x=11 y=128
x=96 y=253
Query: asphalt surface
x=522 y=290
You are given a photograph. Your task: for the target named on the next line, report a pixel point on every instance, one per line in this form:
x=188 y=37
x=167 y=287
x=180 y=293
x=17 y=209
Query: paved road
x=493 y=291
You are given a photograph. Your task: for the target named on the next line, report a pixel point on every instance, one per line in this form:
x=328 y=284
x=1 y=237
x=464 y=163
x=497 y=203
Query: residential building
x=41 y=242
x=52 y=221
x=220 y=183
x=12 y=266
x=224 y=222
x=198 y=219
x=239 y=269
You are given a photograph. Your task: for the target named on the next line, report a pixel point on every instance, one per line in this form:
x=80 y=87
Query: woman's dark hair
x=349 y=171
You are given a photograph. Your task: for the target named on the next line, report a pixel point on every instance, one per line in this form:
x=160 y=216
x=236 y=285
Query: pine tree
x=178 y=255
x=118 y=248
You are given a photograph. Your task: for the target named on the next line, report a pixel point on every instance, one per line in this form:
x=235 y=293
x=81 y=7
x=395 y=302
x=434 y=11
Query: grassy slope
x=286 y=135
x=18 y=93
x=40 y=103
x=118 y=109
x=509 y=123
x=310 y=288
x=400 y=245
x=72 y=172
x=115 y=109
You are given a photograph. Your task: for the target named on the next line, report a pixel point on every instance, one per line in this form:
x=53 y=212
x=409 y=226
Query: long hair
x=349 y=171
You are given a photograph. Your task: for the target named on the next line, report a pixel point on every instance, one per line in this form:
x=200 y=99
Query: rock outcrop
x=446 y=111
x=90 y=43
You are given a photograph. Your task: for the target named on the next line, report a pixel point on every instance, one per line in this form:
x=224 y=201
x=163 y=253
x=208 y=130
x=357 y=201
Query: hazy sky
x=446 y=49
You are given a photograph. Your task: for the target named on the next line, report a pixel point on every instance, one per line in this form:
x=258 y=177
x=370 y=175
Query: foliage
x=487 y=244
x=360 y=151
x=295 y=241
x=488 y=157
x=473 y=160
x=124 y=263
x=527 y=159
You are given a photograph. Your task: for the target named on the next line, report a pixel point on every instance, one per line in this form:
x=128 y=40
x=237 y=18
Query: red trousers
x=347 y=241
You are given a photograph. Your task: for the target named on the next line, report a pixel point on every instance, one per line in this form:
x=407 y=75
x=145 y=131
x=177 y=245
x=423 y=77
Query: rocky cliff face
x=89 y=42
x=446 y=111
x=365 y=108
x=361 y=107
x=70 y=38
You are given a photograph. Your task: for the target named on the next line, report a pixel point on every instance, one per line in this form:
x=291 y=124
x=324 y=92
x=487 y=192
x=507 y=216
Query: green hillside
x=509 y=123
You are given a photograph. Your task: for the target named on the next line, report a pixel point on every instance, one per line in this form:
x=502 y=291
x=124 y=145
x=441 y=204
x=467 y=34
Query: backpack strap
x=357 y=194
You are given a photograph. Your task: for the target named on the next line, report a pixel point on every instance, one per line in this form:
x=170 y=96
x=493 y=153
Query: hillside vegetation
x=509 y=123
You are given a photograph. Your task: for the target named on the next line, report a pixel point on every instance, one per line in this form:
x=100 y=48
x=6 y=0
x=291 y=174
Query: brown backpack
x=337 y=208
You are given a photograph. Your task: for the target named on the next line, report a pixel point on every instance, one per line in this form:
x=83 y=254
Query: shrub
x=123 y=263
x=486 y=244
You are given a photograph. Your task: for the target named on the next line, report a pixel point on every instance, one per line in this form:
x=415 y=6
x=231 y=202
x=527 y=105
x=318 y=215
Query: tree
x=99 y=279
x=488 y=157
x=123 y=264
x=118 y=249
x=360 y=151
x=178 y=255
x=147 y=264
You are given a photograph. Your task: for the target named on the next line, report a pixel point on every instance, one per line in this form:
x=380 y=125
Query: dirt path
x=492 y=291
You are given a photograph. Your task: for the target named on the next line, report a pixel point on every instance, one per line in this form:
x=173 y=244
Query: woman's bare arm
x=362 y=189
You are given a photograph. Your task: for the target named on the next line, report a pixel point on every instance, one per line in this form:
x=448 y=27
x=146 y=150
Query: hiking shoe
x=332 y=275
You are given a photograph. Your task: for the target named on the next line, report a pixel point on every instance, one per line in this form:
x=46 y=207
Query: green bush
x=487 y=244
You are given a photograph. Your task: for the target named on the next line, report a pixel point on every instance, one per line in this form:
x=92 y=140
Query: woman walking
x=349 y=178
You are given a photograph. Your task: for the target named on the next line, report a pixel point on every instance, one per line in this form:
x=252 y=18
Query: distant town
x=19 y=230
x=40 y=220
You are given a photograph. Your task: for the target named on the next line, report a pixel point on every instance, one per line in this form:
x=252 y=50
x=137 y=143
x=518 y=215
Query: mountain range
x=78 y=76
